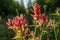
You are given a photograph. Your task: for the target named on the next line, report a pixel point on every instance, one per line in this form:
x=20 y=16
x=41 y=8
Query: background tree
x=8 y=8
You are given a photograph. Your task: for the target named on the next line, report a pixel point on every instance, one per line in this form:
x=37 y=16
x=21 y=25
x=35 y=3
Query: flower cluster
x=17 y=22
x=37 y=14
x=42 y=27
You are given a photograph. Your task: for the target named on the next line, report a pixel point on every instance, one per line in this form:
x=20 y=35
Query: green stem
x=54 y=26
x=35 y=31
x=41 y=33
x=55 y=34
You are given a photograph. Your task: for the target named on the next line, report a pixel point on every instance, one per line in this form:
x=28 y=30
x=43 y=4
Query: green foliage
x=8 y=8
x=3 y=32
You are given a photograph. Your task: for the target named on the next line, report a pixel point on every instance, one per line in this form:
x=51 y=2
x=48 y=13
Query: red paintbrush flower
x=44 y=17
x=36 y=9
x=17 y=22
x=37 y=15
x=9 y=22
x=23 y=20
x=22 y=17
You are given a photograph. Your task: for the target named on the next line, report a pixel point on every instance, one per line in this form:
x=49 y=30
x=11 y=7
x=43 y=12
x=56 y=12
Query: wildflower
x=42 y=19
x=37 y=38
x=26 y=31
x=17 y=22
x=36 y=9
x=37 y=16
x=23 y=21
x=32 y=33
x=21 y=17
x=8 y=22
